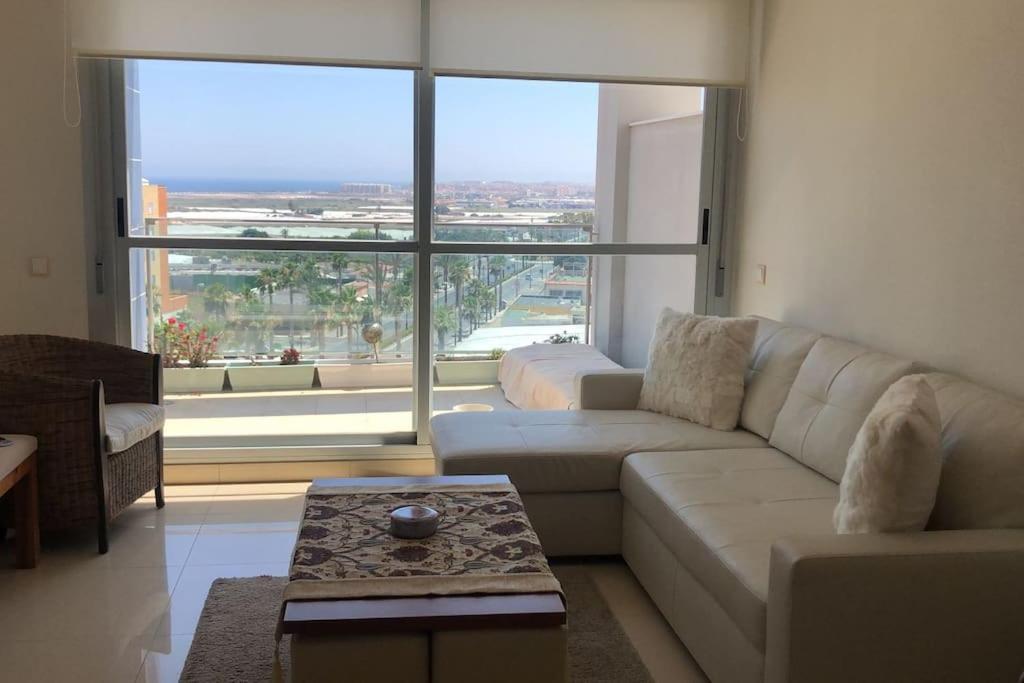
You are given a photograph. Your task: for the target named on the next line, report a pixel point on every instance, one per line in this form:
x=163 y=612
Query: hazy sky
x=203 y=120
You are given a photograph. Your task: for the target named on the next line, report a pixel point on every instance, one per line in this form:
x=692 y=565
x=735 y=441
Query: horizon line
x=165 y=180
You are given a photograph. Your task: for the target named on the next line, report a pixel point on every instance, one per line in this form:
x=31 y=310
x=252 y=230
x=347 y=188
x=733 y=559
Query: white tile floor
x=130 y=615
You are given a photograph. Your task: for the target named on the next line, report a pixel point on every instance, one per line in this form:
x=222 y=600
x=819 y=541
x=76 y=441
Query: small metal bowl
x=414 y=521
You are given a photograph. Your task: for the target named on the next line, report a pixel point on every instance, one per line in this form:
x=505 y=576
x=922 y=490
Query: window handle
x=120 y=217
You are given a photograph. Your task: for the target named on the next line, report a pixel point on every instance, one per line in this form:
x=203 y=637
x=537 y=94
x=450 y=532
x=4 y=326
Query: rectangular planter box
x=360 y=375
x=270 y=377
x=456 y=372
x=193 y=380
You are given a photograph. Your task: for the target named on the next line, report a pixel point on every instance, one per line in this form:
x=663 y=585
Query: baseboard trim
x=259 y=472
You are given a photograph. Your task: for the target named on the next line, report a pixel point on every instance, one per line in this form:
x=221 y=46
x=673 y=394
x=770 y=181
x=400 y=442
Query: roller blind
x=674 y=41
x=686 y=41
x=371 y=32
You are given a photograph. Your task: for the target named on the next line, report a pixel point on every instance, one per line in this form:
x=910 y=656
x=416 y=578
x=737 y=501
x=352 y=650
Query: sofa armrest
x=609 y=389
x=935 y=606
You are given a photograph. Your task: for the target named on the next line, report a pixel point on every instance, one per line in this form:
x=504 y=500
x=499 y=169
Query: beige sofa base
x=577 y=524
x=493 y=655
x=710 y=635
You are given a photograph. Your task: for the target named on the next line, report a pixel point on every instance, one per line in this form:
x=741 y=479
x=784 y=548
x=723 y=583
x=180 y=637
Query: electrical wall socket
x=40 y=266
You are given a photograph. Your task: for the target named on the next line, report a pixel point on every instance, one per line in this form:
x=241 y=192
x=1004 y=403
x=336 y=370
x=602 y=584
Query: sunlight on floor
x=317 y=411
x=130 y=615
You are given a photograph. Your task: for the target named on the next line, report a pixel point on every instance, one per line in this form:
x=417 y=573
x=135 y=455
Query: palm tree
x=339 y=261
x=445 y=262
x=349 y=312
x=497 y=267
x=479 y=299
x=489 y=301
x=267 y=281
x=320 y=302
x=215 y=300
x=444 y=323
x=396 y=267
x=459 y=272
x=397 y=302
x=310 y=278
x=289 y=275
x=248 y=322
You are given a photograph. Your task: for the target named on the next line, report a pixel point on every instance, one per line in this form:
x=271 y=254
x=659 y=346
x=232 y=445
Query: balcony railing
x=305 y=227
x=257 y=310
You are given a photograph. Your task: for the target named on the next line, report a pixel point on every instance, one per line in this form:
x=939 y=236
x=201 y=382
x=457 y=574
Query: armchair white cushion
x=129 y=423
x=22 y=446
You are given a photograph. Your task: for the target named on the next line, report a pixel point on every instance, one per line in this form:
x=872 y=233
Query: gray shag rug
x=234 y=639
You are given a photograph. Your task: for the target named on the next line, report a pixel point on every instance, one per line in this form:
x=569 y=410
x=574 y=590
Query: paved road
x=529 y=281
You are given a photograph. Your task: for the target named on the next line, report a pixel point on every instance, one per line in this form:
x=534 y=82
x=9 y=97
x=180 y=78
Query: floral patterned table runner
x=484 y=544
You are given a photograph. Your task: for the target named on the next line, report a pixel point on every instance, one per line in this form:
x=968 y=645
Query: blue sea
x=254 y=185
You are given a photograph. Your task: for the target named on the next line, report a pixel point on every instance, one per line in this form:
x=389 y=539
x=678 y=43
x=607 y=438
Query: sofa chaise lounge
x=731 y=533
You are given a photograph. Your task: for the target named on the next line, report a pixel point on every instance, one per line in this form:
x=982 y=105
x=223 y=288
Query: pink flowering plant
x=177 y=340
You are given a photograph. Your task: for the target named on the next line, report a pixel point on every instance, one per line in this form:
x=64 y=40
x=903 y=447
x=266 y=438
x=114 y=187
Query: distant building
x=366 y=189
x=154 y=211
x=565 y=286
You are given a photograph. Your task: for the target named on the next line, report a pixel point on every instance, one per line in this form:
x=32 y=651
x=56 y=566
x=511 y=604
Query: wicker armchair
x=60 y=390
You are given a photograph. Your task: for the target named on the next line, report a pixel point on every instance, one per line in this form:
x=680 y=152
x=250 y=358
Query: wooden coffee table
x=441 y=639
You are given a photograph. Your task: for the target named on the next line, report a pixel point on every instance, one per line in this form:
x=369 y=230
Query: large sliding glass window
x=262 y=189
x=327 y=256
x=564 y=212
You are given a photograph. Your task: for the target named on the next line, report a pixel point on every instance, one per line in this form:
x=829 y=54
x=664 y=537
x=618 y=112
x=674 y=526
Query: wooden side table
x=18 y=475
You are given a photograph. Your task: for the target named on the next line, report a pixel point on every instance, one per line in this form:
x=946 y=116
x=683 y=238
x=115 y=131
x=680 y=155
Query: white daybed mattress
x=543 y=376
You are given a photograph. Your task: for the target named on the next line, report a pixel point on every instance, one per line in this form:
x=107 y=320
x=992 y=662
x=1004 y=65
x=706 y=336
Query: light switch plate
x=40 y=266
x=762 y=274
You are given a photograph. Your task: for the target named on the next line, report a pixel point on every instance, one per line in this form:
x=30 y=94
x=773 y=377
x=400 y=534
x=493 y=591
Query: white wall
x=618 y=107
x=663 y=206
x=40 y=178
x=884 y=179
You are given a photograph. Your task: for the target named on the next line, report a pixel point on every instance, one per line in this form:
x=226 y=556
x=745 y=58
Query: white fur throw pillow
x=695 y=368
x=892 y=471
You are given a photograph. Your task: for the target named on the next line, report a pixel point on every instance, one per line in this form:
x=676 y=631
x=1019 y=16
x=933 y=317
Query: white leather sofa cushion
x=982 y=481
x=129 y=423
x=779 y=351
x=837 y=386
x=719 y=513
x=557 y=451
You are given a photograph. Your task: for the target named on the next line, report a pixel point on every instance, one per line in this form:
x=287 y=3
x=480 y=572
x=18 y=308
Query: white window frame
x=105 y=164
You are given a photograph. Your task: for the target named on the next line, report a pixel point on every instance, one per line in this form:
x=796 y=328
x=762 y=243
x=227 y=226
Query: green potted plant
x=362 y=371
x=563 y=338
x=186 y=353
x=451 y=370
x=291 y=372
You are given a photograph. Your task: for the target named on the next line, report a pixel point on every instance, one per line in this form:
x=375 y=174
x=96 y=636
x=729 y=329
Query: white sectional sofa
x=731 y=532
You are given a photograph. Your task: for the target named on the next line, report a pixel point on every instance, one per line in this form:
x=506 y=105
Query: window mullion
x=423 y=218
